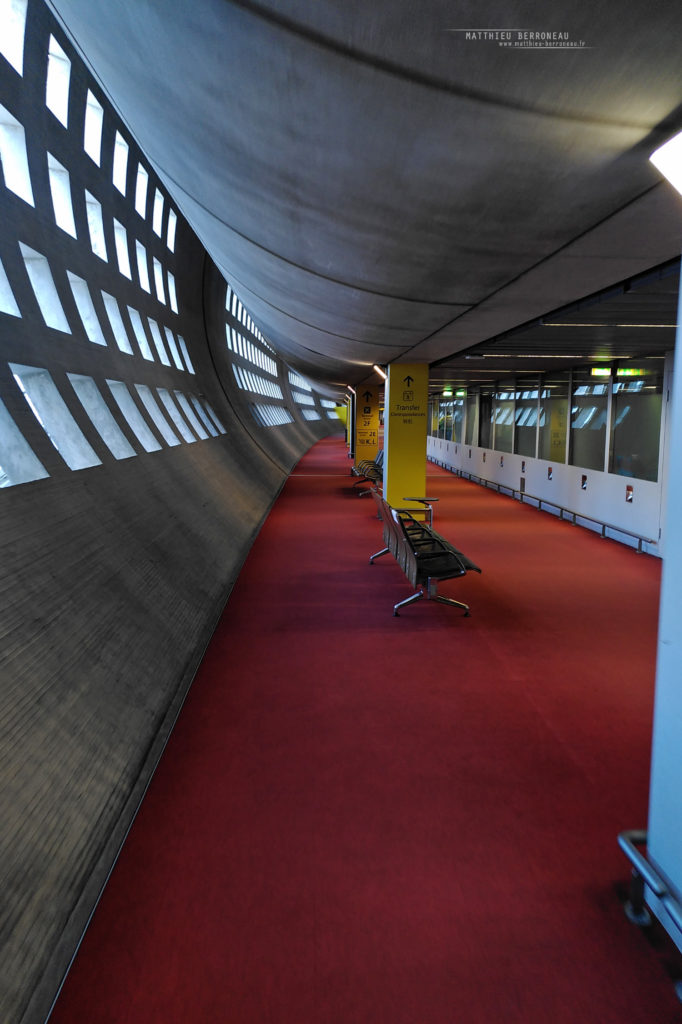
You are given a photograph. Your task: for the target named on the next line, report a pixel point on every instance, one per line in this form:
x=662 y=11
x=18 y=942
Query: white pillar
x=665 y=798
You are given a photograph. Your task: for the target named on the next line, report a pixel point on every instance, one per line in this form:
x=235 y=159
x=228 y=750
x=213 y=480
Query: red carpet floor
x=363 y=819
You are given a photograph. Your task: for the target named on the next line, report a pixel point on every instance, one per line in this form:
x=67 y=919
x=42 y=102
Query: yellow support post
x=405 y=413
x=366 y=422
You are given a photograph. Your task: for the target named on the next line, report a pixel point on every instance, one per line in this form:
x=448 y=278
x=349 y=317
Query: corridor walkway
x=363 y=819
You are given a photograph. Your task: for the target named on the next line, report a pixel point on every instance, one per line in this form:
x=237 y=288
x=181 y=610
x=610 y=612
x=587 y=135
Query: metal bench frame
x=424 y=556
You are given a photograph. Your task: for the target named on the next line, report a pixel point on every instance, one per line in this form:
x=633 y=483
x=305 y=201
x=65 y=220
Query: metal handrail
x=514 y=491
x=645 y=875
x=644 y=870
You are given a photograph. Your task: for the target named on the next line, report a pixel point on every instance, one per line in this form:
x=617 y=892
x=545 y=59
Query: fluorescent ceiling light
x=548 y=324
x=668 y=159
x=531 y=355
x=380 y=372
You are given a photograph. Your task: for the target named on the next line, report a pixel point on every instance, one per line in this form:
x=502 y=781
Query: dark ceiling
x=635 y=320
x=377 y=186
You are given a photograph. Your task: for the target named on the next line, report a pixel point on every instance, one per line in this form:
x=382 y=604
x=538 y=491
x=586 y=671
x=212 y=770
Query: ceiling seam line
x=304 y=323
x=419 y=77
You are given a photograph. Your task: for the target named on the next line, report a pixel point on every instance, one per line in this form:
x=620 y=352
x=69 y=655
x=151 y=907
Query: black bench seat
x=369 y=471
x=424 y=556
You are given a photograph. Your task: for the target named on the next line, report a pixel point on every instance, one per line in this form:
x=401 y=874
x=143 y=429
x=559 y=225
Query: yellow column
x=366 y=422
x=405 y=412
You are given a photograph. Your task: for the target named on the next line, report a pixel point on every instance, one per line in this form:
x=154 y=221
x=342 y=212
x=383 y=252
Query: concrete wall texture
x=113 y=574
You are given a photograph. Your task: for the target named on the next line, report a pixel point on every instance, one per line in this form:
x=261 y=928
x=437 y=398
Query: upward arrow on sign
x=408 y=380
x=367 y=395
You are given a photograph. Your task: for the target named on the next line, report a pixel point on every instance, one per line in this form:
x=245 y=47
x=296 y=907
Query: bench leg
x=384 y=551
x=433 y=595
x=457 y=604
x=408 y=600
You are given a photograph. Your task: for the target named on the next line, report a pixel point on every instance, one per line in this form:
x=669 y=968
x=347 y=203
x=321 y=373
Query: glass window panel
x=18 y=462
x=525 y=435
x=158 y=341
x=117 y=325
x=101 y=417
x=92 y=135
x=86 y=309
x=142 y=266
x=553 y=422
x=60 y=189
x=13 y=20
x=589 y=406
x=95 y=226
x=185 y=354
x=298 y=381
x=13 y=157
x=172 y=296
x=51 y=411
x=158 y=280
x=40 y=275
x=457 y=419
x=189 y=415
x=141 y=182
x=271 y=415
x=120 y=163
x=157 y=217
x=57 y=83
x=471 y=430
x=159 y=420
x=172 y=224
x=636 y=423
x=138 y=329
x=503 y=416
x=205 y=418
x=133 y=416
x=170 y=338
x=121 y=240
x=447 y=420
x=175 y=415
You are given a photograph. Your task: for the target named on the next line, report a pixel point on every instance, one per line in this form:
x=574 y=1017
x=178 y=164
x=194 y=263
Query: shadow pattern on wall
x=135 y=472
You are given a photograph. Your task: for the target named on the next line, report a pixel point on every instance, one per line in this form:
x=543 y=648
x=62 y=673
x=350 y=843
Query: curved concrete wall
x=113 y=574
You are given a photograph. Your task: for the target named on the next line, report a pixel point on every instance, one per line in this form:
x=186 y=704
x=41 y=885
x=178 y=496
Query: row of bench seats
x=369 y=471
x=424 y=556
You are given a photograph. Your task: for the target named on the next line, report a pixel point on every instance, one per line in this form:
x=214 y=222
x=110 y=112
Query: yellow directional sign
x=406 y=406
x=366 y=422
